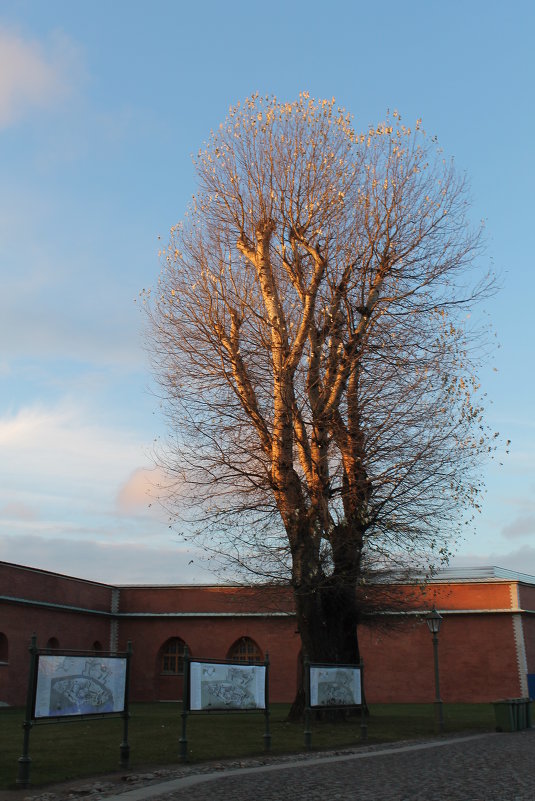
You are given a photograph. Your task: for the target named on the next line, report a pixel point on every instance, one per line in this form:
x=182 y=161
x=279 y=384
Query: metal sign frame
x=187 y=705
x=309 y=707
x=31 y=719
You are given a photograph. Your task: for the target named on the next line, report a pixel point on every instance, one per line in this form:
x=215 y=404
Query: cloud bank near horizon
x=124 y=562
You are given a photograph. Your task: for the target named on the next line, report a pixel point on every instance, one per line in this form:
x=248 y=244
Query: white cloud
x=143 y=488
x=32 y=75
x=72 y=487
x=64 y=464
x=65 y=441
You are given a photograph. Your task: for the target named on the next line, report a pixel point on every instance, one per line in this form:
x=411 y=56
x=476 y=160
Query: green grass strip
x=73 y=750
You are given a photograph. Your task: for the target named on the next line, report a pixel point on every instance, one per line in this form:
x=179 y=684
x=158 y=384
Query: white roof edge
x=481 y=573
x=468 y=573
x=445 y=574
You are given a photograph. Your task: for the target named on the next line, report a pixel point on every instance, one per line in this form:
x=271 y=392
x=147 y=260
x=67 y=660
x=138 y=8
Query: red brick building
x=487 y=639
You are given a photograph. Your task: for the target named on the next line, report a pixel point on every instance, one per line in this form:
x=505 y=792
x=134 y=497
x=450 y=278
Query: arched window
x=245 y=650
x=3 y=647
x=172 y=656
x=52 y=642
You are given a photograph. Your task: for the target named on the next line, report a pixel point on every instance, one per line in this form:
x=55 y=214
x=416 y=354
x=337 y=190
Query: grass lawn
x=69 y=750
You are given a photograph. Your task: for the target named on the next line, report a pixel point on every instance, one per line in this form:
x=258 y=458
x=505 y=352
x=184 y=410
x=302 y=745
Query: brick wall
x=477 y=660
x=479 y=656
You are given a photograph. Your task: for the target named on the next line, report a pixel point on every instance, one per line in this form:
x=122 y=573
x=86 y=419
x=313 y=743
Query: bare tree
x=309 y=330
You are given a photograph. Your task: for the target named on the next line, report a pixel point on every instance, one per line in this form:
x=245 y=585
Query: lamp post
x=433 y=620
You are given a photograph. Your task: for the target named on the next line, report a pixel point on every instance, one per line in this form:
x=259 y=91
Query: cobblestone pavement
x=491 y=767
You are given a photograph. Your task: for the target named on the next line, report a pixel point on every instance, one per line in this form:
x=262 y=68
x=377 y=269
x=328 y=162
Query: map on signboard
x=223 y=686
x=79 y=685
x=335 y=686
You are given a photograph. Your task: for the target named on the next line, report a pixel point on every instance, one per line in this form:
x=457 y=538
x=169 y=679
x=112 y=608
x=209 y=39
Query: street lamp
x=434 y=620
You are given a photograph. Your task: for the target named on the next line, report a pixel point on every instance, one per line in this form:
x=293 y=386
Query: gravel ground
x=490 y=767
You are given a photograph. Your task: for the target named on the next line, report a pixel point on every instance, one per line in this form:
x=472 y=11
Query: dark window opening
x=172 y=660
x=245 y=650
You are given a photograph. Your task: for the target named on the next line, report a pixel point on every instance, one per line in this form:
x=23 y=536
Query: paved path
x=490 y=767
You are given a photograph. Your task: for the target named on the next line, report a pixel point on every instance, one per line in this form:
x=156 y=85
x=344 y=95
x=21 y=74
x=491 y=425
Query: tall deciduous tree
x=310 y=335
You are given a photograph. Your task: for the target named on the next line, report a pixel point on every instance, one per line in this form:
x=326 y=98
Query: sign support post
x=308 y=733
x=124 y=747
x=364 y=712
x=267 y=734
x=185 y=707
x=25 y=761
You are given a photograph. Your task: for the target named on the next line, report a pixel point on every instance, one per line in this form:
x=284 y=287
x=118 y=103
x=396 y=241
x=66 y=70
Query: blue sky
x=101 y=106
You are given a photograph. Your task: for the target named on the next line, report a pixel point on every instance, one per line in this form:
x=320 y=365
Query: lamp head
x=433 y=620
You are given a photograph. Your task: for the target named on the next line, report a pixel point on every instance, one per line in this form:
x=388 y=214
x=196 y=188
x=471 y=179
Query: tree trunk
x=327 y=617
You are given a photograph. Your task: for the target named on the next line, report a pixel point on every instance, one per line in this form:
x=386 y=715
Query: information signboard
x=223 y=686
x=335 y=686
x=79 y=685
